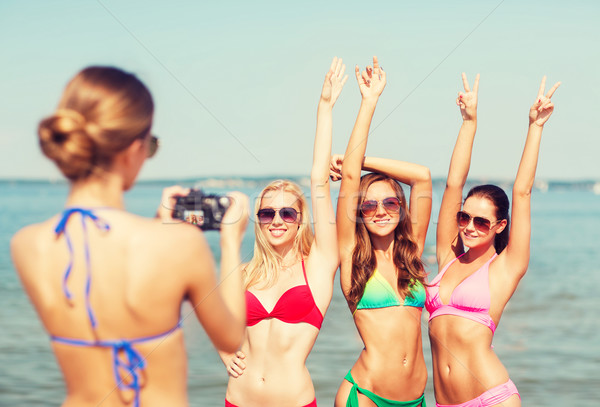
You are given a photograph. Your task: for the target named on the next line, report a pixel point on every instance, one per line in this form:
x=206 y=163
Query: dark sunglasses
x=288 y=215
x=152 y=145
x=482 y=225
x=391 y=205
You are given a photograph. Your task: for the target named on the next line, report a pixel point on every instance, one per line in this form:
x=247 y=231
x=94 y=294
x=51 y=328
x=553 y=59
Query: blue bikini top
x=127 y=362
x=379 y=293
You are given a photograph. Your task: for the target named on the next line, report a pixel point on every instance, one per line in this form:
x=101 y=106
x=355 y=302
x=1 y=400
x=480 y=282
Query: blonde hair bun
x=64 y=140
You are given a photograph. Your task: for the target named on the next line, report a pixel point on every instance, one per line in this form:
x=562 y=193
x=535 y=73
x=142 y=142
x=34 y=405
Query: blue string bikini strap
x=61 y=228
x=130 y=365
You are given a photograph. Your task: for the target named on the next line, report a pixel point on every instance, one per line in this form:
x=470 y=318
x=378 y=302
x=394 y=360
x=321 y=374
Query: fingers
x=338 y=66
x=370 y=71
x=476 y=84
x=375 y=63
x=552 y=90
x=333 y=64
x=542 y=87
x=358 y=76
x=240 y=354
x=365 y=77
x=345 y=79
x=465 y=82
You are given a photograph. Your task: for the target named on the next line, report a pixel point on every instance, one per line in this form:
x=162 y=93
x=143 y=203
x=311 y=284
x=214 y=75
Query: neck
x=102 y=190
x=383 y=244
x=287 y=255
x=479 y=252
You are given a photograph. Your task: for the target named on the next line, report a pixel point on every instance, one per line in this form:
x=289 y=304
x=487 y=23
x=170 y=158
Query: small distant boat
x=596 y=188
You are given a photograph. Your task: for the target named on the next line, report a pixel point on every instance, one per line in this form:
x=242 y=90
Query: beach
x=546 y=338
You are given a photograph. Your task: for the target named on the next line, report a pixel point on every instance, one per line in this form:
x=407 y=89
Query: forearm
x=527 y=167
x=405 y=172
x=357 y=145
x=322 y=146
x=461 y=156
x=231 y=286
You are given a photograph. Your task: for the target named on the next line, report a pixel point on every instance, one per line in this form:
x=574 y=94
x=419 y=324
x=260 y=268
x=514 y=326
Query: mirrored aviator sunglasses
x=288 y=215
x=482 y=225
x=153 y=144
x=391 y=205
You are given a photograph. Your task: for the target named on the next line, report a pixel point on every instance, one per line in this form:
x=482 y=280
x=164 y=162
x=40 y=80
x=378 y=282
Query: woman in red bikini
x=468 y=296
x=289 y=281
x=108 y=285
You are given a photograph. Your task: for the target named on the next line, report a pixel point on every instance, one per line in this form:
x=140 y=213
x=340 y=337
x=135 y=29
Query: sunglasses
x=288 y=215
x=153 y=144
x=482 y=225
x=391 y=205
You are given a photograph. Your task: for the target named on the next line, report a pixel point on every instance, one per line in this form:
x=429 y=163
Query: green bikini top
x=379 y=293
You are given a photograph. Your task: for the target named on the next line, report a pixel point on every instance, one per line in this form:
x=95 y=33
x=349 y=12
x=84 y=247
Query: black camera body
x=203 y=210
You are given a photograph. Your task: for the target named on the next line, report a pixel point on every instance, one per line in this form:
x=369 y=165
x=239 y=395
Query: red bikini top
x=295 y=305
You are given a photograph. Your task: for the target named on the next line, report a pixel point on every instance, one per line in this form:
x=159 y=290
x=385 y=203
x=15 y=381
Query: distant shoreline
x=228 y=182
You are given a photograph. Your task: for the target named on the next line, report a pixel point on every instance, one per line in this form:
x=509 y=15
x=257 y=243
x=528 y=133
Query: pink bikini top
x=470 y=299
x=295 y=305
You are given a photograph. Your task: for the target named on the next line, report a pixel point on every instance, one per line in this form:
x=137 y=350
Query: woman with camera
x=108 y=285
x=468 y=296
x=289 y=281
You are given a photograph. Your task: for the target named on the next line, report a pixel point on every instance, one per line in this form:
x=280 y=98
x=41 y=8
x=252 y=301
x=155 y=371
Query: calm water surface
x=547 y=338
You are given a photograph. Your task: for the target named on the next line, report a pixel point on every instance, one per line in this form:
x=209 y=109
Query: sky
x=236 y=84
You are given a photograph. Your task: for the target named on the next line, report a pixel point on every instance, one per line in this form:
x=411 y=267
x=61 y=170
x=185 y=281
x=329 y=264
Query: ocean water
x=547 y=338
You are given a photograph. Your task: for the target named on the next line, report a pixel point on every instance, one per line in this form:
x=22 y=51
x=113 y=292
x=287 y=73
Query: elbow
x=521 y=191
x=234 y=339
x=319 y=180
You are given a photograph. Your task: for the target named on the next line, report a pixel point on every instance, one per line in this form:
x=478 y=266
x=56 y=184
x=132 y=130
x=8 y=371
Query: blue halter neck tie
x=61 y=228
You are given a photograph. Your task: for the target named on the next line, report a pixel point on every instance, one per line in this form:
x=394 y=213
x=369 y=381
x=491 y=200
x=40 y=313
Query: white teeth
x=277 y=232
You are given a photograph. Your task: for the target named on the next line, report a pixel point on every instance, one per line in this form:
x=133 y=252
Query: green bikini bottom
x=379 y=401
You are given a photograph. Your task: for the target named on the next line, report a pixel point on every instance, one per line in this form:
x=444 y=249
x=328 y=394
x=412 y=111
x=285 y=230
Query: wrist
x=370 y=100
x=325 y=104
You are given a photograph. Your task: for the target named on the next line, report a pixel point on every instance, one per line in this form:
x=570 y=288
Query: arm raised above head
x=371 y=83
x=516 y=254
x=325 y=244
x=447 y=244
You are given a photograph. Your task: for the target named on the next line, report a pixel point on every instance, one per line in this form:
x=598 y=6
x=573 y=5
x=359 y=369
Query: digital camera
x=203 y=210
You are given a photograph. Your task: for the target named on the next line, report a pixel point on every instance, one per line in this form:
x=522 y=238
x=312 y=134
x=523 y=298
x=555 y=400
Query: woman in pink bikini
x=289 y=281
x=476 y=284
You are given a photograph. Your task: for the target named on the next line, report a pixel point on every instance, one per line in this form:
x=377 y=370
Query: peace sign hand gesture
x=543 y=107
x=372 y=80
x=467 y=100
x=334 y=82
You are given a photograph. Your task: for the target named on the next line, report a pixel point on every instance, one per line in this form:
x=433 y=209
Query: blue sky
x=236 y=84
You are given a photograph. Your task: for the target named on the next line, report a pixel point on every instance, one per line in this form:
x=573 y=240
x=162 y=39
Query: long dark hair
x=498 y=197
x=406 y=259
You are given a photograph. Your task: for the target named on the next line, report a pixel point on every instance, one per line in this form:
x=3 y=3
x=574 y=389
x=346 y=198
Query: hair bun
x=63 y=139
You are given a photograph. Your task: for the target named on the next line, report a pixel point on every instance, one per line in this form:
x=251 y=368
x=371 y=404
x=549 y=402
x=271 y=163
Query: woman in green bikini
x=382 y=275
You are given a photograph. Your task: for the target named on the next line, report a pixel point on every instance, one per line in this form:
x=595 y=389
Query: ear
x=501 y=226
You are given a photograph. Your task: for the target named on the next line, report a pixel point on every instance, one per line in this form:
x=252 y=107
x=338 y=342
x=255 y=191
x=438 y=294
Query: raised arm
x=371 y=83
x=418 y=178
x=515 y=258
x=324 y=251
x=448 y=245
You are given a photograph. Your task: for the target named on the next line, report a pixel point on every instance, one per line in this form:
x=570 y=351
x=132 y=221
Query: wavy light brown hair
x=265 y=264
x=101 y=112
x=405 y=255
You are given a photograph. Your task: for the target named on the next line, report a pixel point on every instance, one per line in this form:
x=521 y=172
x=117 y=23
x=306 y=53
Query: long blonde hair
x=264 y=266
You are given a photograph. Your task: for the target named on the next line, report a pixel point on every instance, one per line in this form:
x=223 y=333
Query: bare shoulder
x=31 y=238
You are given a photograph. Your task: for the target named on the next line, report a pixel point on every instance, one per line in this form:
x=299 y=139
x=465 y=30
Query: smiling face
x=278 y=233
x=382 y=222
x=471 y=236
